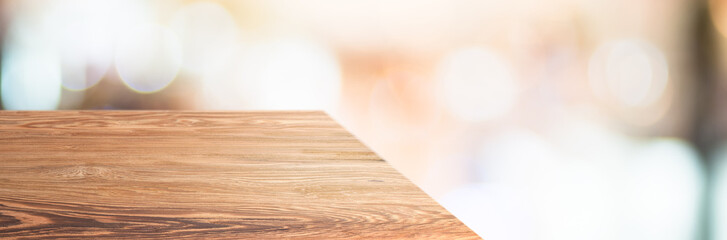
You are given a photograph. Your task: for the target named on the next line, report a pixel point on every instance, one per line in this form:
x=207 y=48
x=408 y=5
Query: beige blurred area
x=558 y=119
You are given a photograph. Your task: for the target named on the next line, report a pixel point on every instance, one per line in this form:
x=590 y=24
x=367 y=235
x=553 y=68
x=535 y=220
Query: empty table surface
x=177 y=175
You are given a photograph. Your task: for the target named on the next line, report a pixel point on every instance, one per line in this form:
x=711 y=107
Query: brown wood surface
x=179 y=175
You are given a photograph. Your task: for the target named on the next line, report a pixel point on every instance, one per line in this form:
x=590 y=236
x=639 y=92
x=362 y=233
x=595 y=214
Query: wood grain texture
x=211 y=175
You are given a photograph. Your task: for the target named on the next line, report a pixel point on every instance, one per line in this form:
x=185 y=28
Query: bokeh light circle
x=630 y=73
x=148 y=58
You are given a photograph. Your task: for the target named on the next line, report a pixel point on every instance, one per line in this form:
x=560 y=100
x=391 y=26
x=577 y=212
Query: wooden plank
x=211 y=175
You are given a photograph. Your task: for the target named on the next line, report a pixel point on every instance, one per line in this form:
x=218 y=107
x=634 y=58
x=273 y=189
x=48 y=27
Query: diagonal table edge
x=212 y=175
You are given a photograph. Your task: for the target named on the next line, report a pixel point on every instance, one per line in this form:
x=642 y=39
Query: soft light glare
x=207 y=32
x=223 y=85
x=494 y=211
x=630 y=72
x=82 y=31
x=31 y=69
x=402 y=105
x=149 y=58
x=663 y=190
x=719 y=200
x=298 y=75
x=514 y=156
x=476 y=84
x=614 y=188
x=283 y=74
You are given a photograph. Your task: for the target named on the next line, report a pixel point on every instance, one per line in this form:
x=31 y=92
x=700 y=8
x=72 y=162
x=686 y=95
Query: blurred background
x=527 y=119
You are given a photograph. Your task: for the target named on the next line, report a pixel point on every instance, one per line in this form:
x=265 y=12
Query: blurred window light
x=494 y=211
x=476 y=84
x=649 y=191
x=588 y=138
x=223 y=86
x=631 y=73
x=207 y=31
x=31 y=68
x=282 y=74
x=568 y=199
x=149 y=58
x=577 y=200
x=427 y=24
x=663 y=187
x=719 y=200
x=129 y=15
x=299 y=75
x=514 y=156
x=83 y=33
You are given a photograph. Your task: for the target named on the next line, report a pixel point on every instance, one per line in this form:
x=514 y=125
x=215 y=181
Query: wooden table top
x=209 y=175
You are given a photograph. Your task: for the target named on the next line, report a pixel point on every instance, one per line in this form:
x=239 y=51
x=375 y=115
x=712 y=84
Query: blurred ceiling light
x=632 y=73
x=277 y=75
x=476 y=84
x=31 y=68
x=207 y=32
x=663 y=186
x=82 y=30
x=148 y=58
